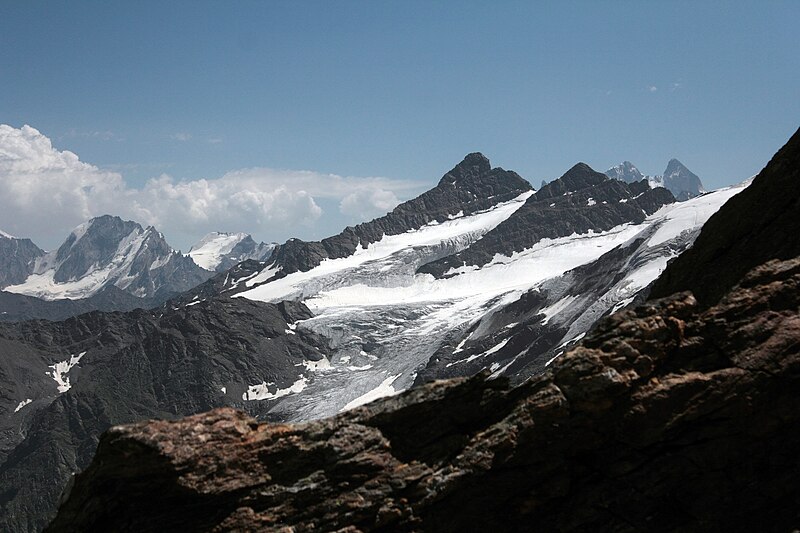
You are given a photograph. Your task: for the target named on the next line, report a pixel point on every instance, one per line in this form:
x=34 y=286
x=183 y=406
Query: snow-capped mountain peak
x=105 y=251
x=209 y=250
x=219 y=251
x=625 y=171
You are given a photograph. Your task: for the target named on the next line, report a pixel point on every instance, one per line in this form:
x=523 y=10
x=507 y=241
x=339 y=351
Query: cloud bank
x=45 y=192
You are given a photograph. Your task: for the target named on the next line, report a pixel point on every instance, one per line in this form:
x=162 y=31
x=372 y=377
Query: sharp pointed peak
x=579 y=168
x=474 y=160
x=674 y=164
x=473 y=165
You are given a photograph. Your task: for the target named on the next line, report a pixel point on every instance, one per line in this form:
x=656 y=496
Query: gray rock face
x=683 y=183
x=579 y=201
x=93 y=243
x=17 y=259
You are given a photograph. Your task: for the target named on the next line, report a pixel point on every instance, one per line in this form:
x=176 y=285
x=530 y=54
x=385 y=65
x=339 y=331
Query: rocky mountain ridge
x=578 y=202
x=471 y=186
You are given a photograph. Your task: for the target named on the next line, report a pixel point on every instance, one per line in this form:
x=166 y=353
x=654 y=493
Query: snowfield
x=208 y=253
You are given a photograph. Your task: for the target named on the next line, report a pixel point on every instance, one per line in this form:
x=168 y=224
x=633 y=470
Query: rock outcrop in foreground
x=667 y=417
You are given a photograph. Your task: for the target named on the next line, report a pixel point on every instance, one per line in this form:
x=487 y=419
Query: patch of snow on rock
x=61 y=369
x=22 y=404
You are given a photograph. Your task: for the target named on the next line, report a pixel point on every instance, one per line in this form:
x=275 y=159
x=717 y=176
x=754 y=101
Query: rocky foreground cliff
x=667 y=417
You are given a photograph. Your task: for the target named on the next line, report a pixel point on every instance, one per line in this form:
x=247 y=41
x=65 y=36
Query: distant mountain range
x=105 y=263
x=677 y=179
x=110 y=264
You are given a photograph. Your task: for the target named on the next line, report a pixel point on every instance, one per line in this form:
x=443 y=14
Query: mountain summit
x=108 y=251
x=683 y=183
x=220 y=251
x=472 y=167
x=626 y=172
x=17 y=259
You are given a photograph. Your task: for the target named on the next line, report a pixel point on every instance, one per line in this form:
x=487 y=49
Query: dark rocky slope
x=580 y=201
x=667 y=417
x=761 y=223
x=168 y=362
x=18 y=307
x=471 y=186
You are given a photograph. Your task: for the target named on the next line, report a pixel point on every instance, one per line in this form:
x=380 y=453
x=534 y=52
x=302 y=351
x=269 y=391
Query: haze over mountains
x=480 y=272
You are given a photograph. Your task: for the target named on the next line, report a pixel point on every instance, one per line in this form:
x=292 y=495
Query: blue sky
x=400 y=90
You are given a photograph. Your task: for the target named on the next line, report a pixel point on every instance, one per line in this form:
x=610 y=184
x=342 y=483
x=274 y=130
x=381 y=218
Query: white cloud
x=105 y=135
x=181 y=136
x=45 y=192
x=652 y=88
x=367 y=203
